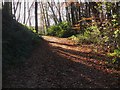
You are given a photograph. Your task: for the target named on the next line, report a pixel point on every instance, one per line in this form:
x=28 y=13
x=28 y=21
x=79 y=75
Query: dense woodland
x=36 y=28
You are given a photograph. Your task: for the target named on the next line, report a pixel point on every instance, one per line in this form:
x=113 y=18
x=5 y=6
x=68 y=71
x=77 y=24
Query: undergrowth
x=62 y=29
x=105 y=37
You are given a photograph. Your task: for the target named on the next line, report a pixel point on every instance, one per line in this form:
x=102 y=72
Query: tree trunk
x=47 y=19
x=8 y=7
x=19 y=12
x=54 y=16
x=24 y=11
x=29 y=17
x=15 y=7
x=44 y=17
x=48 y=22
x=67 y=13
x=28 y=14
x=36 y=17
x=72 y=13
x=59 y=12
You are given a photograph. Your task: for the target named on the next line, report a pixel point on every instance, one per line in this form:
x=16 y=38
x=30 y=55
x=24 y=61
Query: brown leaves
x=58 y=63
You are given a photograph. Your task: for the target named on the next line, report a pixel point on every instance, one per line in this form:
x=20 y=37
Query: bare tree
x=72 y=13
x=44 y=19
x=58 y=10
x=15 y=7
x=24 y=12
x=67 y=12
x=46 y=12
x=41 y=18
x=54 y=16
x=29 y=14
x=19 y=12
x=36 y=17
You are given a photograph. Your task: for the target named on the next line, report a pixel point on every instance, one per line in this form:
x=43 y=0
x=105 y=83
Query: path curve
x=59 y=63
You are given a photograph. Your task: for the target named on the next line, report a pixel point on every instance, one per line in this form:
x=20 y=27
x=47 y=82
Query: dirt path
x=58 y=63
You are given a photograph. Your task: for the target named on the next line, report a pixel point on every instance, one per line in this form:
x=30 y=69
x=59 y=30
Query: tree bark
x=72 y=13
x=36 y=17
x=24 y=11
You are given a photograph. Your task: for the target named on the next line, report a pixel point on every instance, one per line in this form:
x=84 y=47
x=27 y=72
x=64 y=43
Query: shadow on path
x=55 y=67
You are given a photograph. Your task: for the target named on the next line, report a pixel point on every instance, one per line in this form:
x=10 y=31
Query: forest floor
x=60 y=63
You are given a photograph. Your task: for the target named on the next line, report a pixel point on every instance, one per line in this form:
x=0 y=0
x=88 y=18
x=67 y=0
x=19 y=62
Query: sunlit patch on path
x=60 y=63
x=82 y=54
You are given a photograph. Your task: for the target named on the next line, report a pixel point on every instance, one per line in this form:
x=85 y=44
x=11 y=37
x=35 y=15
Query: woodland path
x=59 y=63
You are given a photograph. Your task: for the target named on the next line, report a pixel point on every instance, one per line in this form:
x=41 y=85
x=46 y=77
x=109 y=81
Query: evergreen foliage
x=62 y=29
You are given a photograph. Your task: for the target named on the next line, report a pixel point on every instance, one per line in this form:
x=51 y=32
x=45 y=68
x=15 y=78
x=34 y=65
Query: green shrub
x=116 y=57
x=53 y=30
x=62 y=29
x=106 y=35
x=90 y=35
